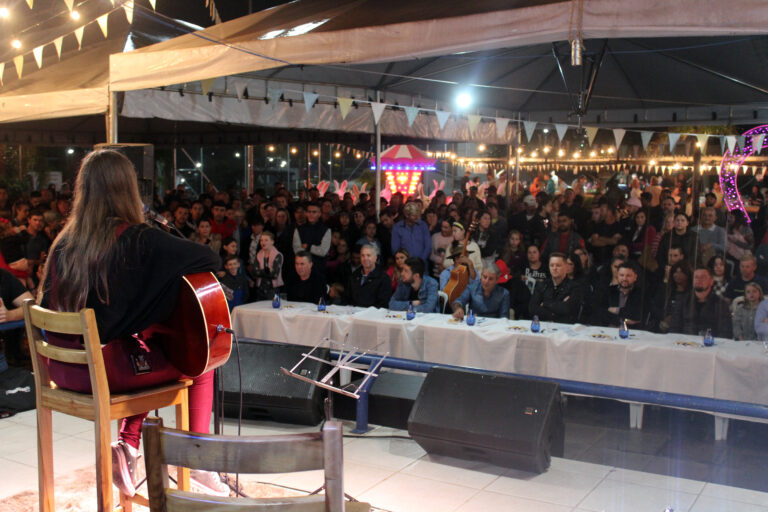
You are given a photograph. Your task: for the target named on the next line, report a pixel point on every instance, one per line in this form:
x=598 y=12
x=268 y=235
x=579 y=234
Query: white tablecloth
x=672 y=363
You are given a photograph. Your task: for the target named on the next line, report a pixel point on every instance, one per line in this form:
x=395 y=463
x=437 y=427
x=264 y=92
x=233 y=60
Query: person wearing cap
x=414 y=288
x=473 y=259
x=483 y=297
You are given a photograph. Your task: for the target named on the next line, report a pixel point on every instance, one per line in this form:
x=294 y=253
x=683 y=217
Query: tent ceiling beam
x=628 y=81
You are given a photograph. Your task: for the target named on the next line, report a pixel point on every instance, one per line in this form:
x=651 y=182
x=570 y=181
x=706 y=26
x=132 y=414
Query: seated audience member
x=415 y=288
x=483 y=297
x=234 y=282
x=514 y=253
x=761 y=321
x=38 y=242
x=456 y=247
x=534 y=270
x=13 y=294
x=369 y=235
x=395 y=267
x=309 y=285
x=555 y=299
x=702 y=309
x=519 y=294
x=746 y=274
x=669 y=296
x=441 y=241
x=719 y=274
x=744 y=313
x=370 y=285
x=627 y=301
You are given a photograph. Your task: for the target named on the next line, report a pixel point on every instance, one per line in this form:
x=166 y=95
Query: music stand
x=347 y=356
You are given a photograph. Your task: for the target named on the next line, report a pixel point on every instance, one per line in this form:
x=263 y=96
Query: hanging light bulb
x=576 y=50
x=4 y=12
x=74 y=15
x=16 y=44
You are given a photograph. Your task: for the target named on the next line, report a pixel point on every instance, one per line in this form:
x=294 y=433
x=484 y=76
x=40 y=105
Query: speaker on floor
x=142 y=156
x=267 y=392
x=506 y=421
x=390 y=400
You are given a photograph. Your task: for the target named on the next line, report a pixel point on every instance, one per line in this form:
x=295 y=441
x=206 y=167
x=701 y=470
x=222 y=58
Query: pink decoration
x=730 y=165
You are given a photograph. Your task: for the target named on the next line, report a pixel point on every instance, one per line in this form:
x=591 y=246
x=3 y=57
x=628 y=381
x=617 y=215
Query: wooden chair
x=248 y=454
x=100 y=407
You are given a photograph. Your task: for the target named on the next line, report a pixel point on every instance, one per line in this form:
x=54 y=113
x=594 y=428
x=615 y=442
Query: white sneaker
x=208 y=482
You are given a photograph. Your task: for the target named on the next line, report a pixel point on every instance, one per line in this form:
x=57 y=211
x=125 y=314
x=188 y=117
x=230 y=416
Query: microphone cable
x=220 y=328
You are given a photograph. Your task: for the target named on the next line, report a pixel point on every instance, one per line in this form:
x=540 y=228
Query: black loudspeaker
x=503 y=420
x=390 y=400
x=142 y=156
x=267 y=392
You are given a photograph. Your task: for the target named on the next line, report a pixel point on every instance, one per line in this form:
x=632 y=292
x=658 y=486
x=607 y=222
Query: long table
x=678 y=364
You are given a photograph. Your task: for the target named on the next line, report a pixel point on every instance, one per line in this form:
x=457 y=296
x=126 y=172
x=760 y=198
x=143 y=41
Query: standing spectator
x=681 y=237
x=220 y=223
x=641 y=240
x=267 y=271
x=711 y=237
x=370 y=286
x=564 y=240
x=369 y=235
x=180 y=216
x=514 y=253
x=744 y=313
x=412 y=233
x=741 y=239
x=313 y=237
x=196 y=212
x=702 y=309
x=234 y=282
x=204 y=236
x=38 y=242
x=607 y=233
x=415 y=289
x=441 y=241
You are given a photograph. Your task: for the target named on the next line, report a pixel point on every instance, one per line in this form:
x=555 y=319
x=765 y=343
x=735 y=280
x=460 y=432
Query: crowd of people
x=634 y=256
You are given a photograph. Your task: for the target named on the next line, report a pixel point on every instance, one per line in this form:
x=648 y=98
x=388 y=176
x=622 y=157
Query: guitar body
x=457 y=284
x=189 y=337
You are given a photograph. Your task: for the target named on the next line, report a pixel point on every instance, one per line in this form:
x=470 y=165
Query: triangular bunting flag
x=474 y=120
x=411 y=113
x=378 y=109
x=344 y=106
x=501 y=126
x=206 y=85
x=618 y=134
x=561 y=129
x=38 y=54
x=673 y=137
x=102 y=21
x=703 y=140
x=79 y=36
x=153 y=3
x=70 y=4
x=57 y=44
x=240 y=86
x=30 y=3
x=529 y=126
x=128 y=7
x=722 y=144
x=309 y=100
x=442 y=117
x=645 y=138
x=2 y=68
x=731 y=141
x=740 y=140
x=591 y=133
x=274 y=95
x=18 y=61
x=757 y=143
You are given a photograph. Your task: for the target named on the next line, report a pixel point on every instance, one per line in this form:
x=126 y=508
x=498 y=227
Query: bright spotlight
x=481 y=147
x=74 y=15
x=70 y=151
x=4 y=12
x=315 y=153
x=271 y=148
x=16 y=44
x=463 y=100
x=198 y=165
x=237 y=155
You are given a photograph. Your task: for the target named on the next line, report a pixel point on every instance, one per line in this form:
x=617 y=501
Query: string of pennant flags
x=128 y=7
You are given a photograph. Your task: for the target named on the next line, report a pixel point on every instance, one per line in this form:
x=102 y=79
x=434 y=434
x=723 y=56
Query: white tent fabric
x=247 y=44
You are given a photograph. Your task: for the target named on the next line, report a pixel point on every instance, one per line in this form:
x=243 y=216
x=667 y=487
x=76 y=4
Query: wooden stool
x=101 y=407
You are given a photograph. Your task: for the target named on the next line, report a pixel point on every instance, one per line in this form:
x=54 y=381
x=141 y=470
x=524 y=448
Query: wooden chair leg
x=45 y=459
x=182 y=423
x=103 y=463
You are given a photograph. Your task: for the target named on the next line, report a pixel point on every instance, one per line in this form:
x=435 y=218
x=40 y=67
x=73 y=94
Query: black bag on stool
x=17 y=390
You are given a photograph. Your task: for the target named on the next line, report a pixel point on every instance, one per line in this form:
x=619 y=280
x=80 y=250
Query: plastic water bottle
x=709 y=340
x=276 y=301
x=410 y=314
x=624 y=330
x=471 y=318
x=321 y=304
x=535 y=325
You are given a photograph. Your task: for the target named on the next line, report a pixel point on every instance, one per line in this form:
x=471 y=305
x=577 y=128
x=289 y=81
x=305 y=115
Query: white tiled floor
x=397 y=475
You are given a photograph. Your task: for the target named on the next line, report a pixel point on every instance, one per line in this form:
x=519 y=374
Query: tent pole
x=112 y=119
x=378 y=165
x=517 y=156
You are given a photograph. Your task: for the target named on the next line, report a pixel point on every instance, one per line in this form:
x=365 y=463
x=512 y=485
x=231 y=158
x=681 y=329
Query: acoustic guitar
x=191 y=337
x=460 y=274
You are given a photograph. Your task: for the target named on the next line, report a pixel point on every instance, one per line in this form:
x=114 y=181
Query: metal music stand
x=347 y=356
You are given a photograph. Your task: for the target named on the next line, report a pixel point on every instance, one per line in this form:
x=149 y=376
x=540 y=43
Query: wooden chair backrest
x=83 y=323
x=247 y=454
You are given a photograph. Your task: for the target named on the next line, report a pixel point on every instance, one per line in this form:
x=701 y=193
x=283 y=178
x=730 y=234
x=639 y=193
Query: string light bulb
x=74 y=15
x=294 y=151
x=4 y=13
x=16 y=44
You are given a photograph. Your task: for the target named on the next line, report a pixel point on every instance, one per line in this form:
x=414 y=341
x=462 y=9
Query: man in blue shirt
x=414 y=288
x=412 y=233
x=483 y=296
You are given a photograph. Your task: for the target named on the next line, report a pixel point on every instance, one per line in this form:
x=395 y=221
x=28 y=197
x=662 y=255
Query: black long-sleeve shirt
x=555 y=303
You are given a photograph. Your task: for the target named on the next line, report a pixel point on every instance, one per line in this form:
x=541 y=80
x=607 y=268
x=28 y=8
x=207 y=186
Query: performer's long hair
x=106 y=195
